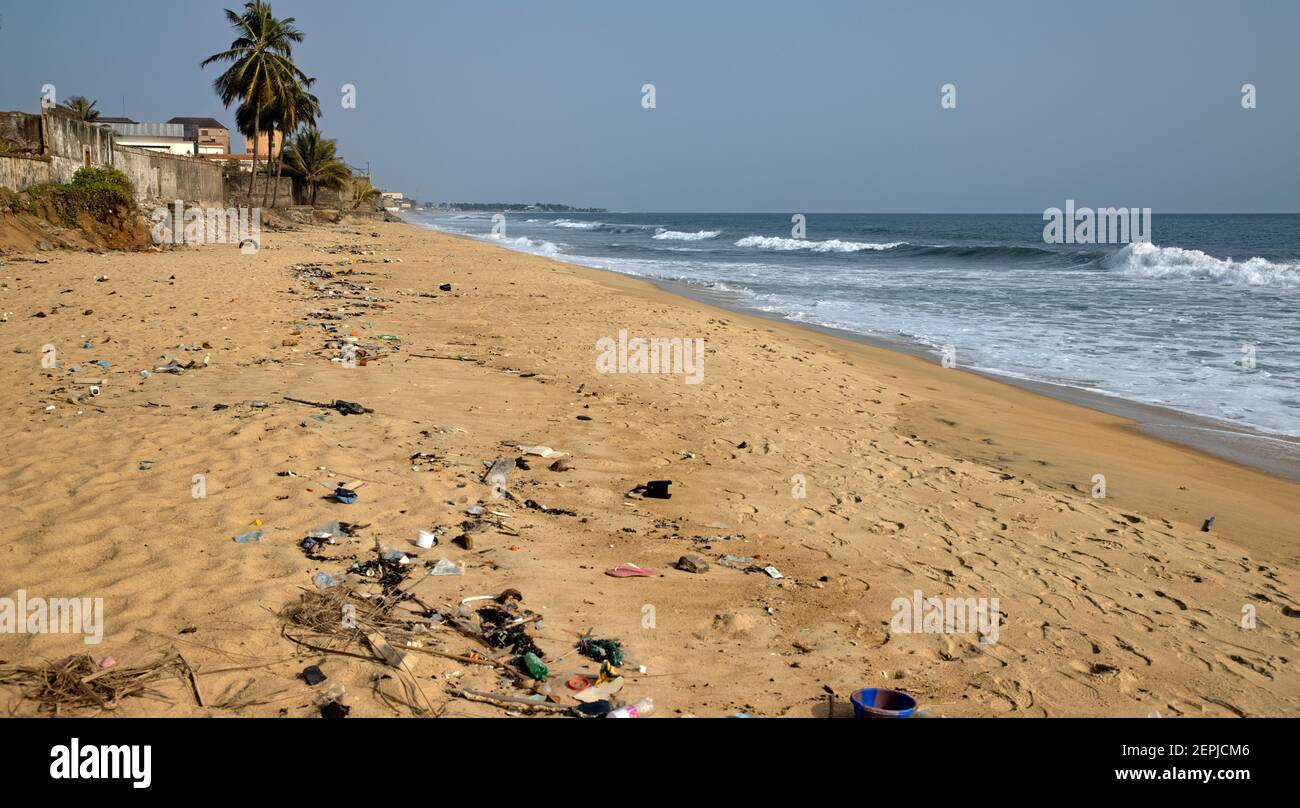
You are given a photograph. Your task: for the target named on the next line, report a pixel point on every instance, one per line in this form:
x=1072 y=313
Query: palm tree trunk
x=314 y=188
x=279 y=171
x=270 y=157
x=256 y=134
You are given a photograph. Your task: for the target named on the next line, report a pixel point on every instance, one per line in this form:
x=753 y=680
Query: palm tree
x=363 y=193
x=250 y=125
x=261 y=65
x=283 y=116
x=301 y=108
x=315 y=161
x=82 y=108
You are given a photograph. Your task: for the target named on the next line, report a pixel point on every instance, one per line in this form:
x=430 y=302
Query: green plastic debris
x=601 y=650
x=535 y=667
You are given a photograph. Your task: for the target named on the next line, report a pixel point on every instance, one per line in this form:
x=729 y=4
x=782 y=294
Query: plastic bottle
x=536 y=669
x=641 y=709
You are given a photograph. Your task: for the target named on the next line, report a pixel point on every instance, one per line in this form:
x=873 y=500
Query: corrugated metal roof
x=150 y=129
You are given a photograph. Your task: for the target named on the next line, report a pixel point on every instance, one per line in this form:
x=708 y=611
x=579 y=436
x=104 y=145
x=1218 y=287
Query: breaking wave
x=832 y=245
x=1145 y=260
x=677 y=235
x=525 y=244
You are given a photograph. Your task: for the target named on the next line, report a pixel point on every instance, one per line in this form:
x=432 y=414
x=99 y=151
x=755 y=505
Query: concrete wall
x=165 y=178
x=23 y=171
x=20 y=133
x=341 y=198
x=236 y=189
x=68 y=144
x=50 y=147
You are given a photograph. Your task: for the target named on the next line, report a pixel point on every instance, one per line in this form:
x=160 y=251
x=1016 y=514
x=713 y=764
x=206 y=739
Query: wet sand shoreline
x=1276 y=455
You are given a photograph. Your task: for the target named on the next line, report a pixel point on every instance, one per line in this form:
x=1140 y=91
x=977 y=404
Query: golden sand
x=917 y=477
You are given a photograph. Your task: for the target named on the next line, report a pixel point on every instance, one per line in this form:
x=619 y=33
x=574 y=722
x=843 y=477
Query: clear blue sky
x=761 y=106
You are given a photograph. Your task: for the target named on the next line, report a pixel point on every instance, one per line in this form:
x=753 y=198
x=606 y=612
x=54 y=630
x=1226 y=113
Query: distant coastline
x=512 y=207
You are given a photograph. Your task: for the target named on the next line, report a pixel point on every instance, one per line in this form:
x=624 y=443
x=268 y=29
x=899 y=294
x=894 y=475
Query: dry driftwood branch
x=508 y=702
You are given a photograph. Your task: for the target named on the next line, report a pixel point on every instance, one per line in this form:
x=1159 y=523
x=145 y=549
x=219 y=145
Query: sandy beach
x=861 y=475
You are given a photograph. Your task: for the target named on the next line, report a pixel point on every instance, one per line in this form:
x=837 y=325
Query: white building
x=163 y=137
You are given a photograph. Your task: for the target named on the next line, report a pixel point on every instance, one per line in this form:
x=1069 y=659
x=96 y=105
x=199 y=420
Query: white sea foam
x=677 y=235
x=831 y=245
x=575 y=225
x=529 y=245
x=1145 y=260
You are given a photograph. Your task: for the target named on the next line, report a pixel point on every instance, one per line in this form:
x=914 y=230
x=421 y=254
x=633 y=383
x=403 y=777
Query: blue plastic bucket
x=879 y=702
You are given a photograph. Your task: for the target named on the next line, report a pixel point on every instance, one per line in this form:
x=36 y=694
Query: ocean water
x=1168 y=323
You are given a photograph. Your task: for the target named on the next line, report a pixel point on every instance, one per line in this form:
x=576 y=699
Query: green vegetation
x=261 y=75
x=285 y=115
x=273 y=96
x=363 y=193
x=82 y=107
x=99 y=191
x=314 y=160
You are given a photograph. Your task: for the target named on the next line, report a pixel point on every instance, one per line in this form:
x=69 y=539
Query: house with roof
x=210 y=136
x=161 y=137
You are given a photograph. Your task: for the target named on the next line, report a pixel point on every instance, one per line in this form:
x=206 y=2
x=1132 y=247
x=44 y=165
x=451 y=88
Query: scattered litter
x=334 y=709
x=600 y=692
x=772 y=571
x=596 y=709
x=642 y=708
x=173 y=367
x=313 y=675
x=1209 y=523
x=446 y=567
x=534 y=667
x=389 y=569
x=537 y=506
x=324 y=580
x=602 y=651
x=426 y=539
x=654 y=489
x=391 y=656
x=630 y=571
x=577 y=683
x=880 y=702
x=343 y=407
x=327 y=530
x=425 y=461
x=498 y=473
x=345 y=495
x=249 y=537
x=541 y=451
